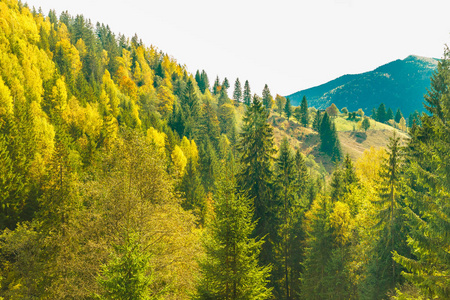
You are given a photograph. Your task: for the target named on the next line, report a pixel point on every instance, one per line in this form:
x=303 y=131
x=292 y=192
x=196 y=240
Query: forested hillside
x=398 y=84
x=123 y=176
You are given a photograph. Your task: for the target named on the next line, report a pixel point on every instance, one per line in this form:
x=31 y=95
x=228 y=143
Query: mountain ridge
x=398 y=84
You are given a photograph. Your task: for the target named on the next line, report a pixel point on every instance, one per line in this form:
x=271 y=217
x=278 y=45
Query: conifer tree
x=217 y=87
x=280 y=102
x=302 y=174
x=230 y=269
x=398 y=116
x=304 y=112
x=288 y=108
x=329 y=139
x=317 y=121
x=192 y=191
x=247 y=95
x=428 y=190
x=256 y=149
x=289 y=257
x=389 y=114
x=225 y=84
x=237 y=94
x=267 y=98
x=381 y=113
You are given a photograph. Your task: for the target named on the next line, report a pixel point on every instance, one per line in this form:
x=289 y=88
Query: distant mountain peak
x=398 y=84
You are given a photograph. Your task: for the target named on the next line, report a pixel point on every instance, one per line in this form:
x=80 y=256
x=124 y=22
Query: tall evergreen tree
x=287 y=268
x=398 y=116
x=288 y=108
x=381 y=113
x=304 y=112
x=237 y=94
x=429 y=190
x=225 y=84
x=217 y=87
x=267 y=97
x=257 y=149
x=329 y=139
x=230 y=269
x=317 y=121
x=247 y=95
x=389 y=114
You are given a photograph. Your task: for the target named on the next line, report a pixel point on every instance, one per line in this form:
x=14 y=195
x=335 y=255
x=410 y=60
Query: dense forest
x=123 y=176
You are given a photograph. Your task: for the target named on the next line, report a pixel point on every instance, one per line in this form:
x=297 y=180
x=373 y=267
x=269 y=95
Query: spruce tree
x=230 y=269
x=317 y=121
x=381 y=113
x=247 y=95
x=237 y=94
x=428 y=187
x=389 y=114
x=256 y=150
x=398 y=116
x=285 y=181
x=217 y=87
x=304 y=112
x=267 y=98
x=288 y=108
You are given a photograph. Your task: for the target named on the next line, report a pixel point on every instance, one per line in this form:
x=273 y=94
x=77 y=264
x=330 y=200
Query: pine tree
x=329 y=139
x=288 y=108
x=267 y=98
x=247 y=96
x=217 y=87
x=256 y=150
x=304 y=112
x=225 y=84
x=428 y=190
x=192 y=191
x=398 y=116
x=285 y=181
x=230 y=269
x=125 y=276
x=237 y=94
x=317 y=121
x=381 y=113
x=389 y=114
x=384 y=272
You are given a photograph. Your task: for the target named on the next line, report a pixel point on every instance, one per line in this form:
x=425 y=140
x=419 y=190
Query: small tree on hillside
x=288 y=108
x=281 y=102
x=304 y=112
x=332 y=111
x=365 y=124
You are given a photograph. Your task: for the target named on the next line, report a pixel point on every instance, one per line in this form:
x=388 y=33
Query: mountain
x=398 y=84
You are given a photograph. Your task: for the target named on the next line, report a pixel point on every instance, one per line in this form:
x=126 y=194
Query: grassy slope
x=353 y=142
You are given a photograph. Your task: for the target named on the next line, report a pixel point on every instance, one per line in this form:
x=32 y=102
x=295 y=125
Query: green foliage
x=365 y=124
x=304 y=112
x=288 y=109
x=237 y=94
x=267 y=99
x=247 y=95
x=256 y=151
x=329 y=139
x=126 y=275
x=230 y=269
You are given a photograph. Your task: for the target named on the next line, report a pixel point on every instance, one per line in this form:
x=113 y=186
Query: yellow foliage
x=165 y=100
x=179 y=160
x=189 y=149
x=367 y=167
x=59 y=95
x=87 y=119
x=112 y=93
x=70 y=54
x=6 y=101
x=340 y=221
x=81 y=47
x=125 y=62
x=157 y=138
x=44 y=135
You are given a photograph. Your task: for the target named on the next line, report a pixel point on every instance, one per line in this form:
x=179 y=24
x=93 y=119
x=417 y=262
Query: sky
x=289 y=45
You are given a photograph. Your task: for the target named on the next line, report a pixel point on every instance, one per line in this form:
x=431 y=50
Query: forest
x=123 y=176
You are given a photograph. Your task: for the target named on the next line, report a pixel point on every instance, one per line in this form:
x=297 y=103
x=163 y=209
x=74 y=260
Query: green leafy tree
x=304 y=112
x=332 y=110
x=280 y=102
x=230 y=269
x=365 y=124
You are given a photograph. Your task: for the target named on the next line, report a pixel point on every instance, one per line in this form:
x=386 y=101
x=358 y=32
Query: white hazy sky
x=289 y=45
